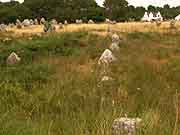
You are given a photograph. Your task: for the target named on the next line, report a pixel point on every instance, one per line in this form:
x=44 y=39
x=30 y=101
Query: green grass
x=55 y=89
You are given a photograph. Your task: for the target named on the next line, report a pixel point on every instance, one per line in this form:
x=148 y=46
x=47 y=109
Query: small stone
x=65 y=22
x=90 y=22
x=3 y=28
x=125 y=126
x=106 y=78
x=42 y=21
x=26 y=23
x=36 y=22
x=60 y=26
x=13 y=59
x=115 y=38
x=54 y=22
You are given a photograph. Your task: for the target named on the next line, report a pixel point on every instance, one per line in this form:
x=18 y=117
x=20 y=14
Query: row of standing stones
x=14 y=59
x=123 y=125
x=49 y=26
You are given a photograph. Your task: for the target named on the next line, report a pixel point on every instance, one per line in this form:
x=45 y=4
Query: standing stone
x=18 y=24
x=125 y=126
x=11 y=25
x=90 y=22
x=65 y=22
x=107 y=20
x=79 y=21
x=54 y=22
x=13 y=59
x=3 y=28
x=107 y=57
x=42 y=21
x=60 y=26
x=115 y=38
x=36 y=22
x=31 y=22
x=26 y=23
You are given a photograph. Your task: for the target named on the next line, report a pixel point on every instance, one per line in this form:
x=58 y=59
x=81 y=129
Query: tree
x=116 y=9
x=152 y=8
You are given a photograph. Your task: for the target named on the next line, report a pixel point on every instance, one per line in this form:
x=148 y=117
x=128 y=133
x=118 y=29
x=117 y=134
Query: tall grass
x=56 y=88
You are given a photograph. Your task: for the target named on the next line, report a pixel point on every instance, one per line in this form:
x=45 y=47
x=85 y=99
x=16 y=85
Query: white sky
x=144 y=3
x=14 y=0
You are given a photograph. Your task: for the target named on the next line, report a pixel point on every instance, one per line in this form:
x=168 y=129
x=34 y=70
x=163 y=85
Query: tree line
x=71 y=10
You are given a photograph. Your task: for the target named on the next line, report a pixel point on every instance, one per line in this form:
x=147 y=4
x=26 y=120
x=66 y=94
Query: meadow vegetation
x=56 y=89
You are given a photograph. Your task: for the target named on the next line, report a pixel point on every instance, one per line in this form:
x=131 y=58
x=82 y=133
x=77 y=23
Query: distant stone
x=115 y=38
x=107 y=20
x=54 y=22
x=26 y=23
x=18 y=24
x=31 y=22
x=60 y=26
x=65 y=22
x=126 y=126
x=13 y=59
x=3 y=28
x=42 y=21
x=11 y=25
x=36 y=22
x=18 y=21
x=90 y=22
x=107 y=57
x=79 y=21
x=106 y=78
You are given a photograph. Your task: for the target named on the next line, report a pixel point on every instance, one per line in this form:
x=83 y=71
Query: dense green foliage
x=78 y=9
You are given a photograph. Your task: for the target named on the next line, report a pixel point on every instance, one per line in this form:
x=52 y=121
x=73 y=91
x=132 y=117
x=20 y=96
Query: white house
x=148 y=17
x=177 y=18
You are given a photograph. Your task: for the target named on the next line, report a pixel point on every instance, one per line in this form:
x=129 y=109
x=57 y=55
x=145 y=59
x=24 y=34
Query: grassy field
x=56 y=88
x=101 y=28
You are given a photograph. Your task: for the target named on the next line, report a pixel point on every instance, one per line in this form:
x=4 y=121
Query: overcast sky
x=144 y=3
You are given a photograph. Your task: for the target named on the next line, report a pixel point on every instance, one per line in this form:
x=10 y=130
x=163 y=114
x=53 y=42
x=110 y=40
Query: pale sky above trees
x=144 y=3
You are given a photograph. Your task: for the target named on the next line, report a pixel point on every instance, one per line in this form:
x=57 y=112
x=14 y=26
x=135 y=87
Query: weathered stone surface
x=125 y=126
x=79 y=21
x=42 y=21
x=107 y=57
x=90 y=22
x=65 y=22
x=3 y=28
x=26 y=23
x=115 y=38
x=60 y=26
x=31 y=22
x=54 y=22
x=13 y=59
x=18 y=24
x=36 y=22
x=107 y=20
x=106 y=78
x=11 y=25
